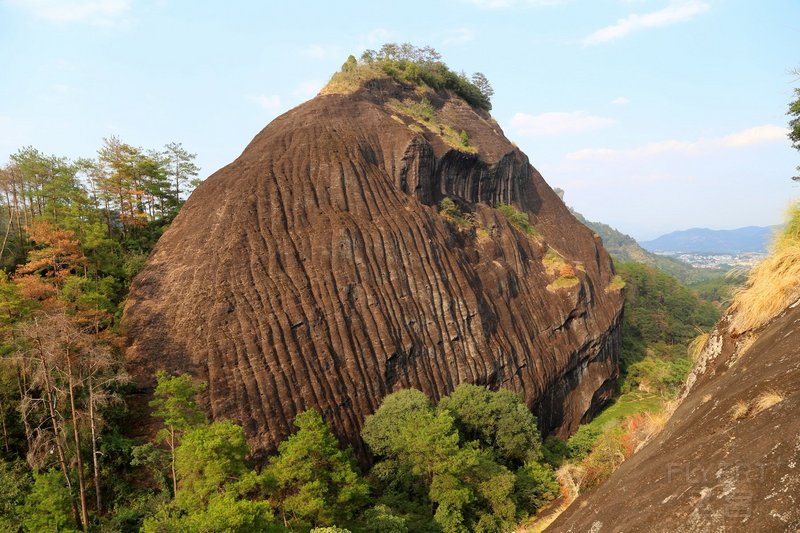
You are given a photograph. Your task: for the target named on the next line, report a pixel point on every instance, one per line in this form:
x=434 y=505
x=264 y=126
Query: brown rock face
x=728 y=459
x=316 y=271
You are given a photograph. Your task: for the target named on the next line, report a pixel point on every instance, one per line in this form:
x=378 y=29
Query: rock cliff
x=316 y=270
x=729 y=457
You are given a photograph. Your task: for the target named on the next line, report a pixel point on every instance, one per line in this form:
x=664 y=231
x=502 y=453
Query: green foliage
x=580 y=443
x=554 y=451
x=410 y=64
x=207 y=459
x=463 y=453
x=316 y=483
x=174 y=401
x=350 y=65
x=661 y=318
x=381 y=519
x=535 y=485
x=500 y=421
x=213 y=480
x=794 y=124
x=463 y=136
x=517 y=218
x=449 y=209
x=15 y=481
x=48 y=505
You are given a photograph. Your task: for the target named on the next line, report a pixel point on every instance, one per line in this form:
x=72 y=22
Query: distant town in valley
x=718 y=261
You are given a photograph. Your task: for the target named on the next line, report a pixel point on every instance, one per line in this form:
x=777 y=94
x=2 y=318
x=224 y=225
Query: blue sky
x=653 y=115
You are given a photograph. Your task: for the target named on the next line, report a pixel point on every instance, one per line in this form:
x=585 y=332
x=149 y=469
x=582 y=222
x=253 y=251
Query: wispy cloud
x=457 y=36
x=502 y=4
x=316 y=51
x=556 y=123
x=96 y=12
x=626 y=181
x=307 y=89
x=748 y=137
x=620 y=100
x=677 y=11
x=268 y=102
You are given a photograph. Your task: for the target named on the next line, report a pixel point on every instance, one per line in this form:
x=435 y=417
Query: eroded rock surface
x=728 y=459
x=316 y=271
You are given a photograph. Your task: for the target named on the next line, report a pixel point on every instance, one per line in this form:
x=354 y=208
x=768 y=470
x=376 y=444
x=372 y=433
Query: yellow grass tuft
x=740 y=410
x=695 y=347
x=766 y=400
x=349 y=81
x=553 y=261
x=773 y=284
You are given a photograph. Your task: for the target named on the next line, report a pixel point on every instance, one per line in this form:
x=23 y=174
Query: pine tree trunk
x=5 y=431
x=97 y=493
x=22 y=412
x=172 y=449
x=76 y=434
x=60 y=449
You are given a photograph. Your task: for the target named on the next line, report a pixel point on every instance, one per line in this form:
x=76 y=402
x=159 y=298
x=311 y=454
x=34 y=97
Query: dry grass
x=425 y=116
x=346 y=82
x=766 y=400
x=553 y=261
x=773 y=284
x=740 y=410
x=695 y=347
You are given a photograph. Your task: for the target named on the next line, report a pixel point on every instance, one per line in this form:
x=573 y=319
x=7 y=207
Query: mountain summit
x=381 y=236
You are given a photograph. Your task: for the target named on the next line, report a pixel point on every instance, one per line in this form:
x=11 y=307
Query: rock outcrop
x=316 y=271
x=729 y=457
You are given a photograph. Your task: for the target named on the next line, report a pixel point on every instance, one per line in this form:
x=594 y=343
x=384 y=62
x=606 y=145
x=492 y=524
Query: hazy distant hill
x=703 y=240
x=623 y=247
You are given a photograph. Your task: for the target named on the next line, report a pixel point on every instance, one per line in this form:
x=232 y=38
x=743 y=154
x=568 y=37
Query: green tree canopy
x=315 y=482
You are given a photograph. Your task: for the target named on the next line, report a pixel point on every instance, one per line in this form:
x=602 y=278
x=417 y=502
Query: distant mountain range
x=703 y=240
x=623 y=247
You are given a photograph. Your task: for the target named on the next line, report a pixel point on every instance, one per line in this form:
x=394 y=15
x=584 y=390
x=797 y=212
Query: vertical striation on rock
x=316 y=271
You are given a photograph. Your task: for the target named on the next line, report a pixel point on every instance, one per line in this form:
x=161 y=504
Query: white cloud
x=457 y=36
x=620 y=100
x=677 y=11
x=376 y=37
x=756 y=135
x=555 y=123
x=316 y=51
x=307 y=89
x=748 y=137
x=269 y=102
x=98 y=12
x=503 y=4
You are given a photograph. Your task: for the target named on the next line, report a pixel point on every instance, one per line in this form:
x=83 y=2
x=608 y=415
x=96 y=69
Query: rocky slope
x=728 y=459
x=315 y=270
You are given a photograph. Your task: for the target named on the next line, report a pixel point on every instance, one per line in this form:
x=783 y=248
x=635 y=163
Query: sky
x=652 y=115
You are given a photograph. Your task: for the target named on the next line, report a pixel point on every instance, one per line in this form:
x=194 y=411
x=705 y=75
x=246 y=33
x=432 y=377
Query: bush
x=517 y=218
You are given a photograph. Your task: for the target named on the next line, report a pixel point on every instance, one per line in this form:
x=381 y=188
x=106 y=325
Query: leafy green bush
x=449 y=209
x=517 y=218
